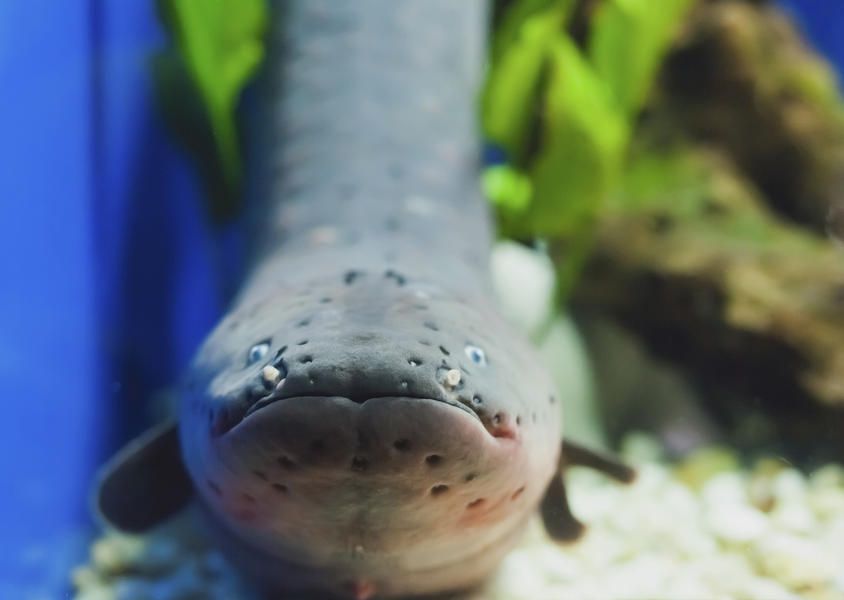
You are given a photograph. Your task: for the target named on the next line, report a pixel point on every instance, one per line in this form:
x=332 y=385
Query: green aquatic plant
x=564 y=112
x=217 y=46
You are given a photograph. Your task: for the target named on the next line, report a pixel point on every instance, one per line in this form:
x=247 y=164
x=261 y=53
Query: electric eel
x=362 y=423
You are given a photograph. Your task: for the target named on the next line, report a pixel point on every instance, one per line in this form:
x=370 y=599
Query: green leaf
x=628 y=41
x=507 y=187
x=513 y=83
x=584 y=142
x=221 y=42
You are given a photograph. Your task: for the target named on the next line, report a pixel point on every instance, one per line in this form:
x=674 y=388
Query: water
x=113 y=275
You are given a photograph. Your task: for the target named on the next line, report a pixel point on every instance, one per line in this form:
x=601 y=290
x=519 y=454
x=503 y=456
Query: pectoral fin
x=560 y=522
x=575 y=455
x=145 y=483
x=557 y=517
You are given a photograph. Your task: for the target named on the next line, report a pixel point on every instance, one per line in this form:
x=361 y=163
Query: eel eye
x=476 y=355
x=257 y=352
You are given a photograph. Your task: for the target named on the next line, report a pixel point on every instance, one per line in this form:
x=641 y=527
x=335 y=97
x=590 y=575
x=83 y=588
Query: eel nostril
x=475 y=503
x=433 y=460
x=439 y=489
x=402 y=445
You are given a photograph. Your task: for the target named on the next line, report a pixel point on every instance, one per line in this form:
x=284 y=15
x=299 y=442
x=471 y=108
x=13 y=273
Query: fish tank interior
x=667 y=189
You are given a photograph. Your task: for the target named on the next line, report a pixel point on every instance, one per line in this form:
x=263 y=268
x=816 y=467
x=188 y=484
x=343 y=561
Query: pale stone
x=795 y=561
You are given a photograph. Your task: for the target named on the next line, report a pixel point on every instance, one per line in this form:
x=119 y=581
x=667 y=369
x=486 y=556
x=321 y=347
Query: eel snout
x=358 y=485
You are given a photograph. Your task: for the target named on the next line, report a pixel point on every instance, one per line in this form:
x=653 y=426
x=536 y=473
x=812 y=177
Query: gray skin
x=363 y=422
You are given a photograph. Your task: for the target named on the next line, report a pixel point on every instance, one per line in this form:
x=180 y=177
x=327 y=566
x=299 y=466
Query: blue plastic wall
x=109 y=275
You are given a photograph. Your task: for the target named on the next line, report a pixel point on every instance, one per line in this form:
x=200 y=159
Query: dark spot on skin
x=517 y=493
x=433 y=459
x=286 y=462
x=280 y=488
x=360 y=463
x=518 y=420
x=475 y=503
x=350 y=276
x=214 y=488
x=402 y=445
x=325 y=300
x=260 y=475
x=302 y=343
x=425 y=342
x=552 y=400
x=444 y=351
x=533 y=417
x=421 y=306
x=392 y=224
x=399 y=279
x=439 y=489
x=431 y=326
x=303 y=323
x=306 y=360
x=470 y=477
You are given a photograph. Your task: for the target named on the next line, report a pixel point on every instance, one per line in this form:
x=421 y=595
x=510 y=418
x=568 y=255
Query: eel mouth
x=279 y=395
x=254 y=400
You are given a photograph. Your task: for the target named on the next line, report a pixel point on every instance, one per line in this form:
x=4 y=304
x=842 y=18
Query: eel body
x=363 y=422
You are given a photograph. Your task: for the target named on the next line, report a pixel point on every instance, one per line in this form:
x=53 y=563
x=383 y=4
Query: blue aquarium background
x=110 y=274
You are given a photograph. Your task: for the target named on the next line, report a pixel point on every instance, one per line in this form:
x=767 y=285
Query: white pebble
x=736 y=523
x=790 y=486
x=795 y=561
x=724 y=489
x=793 y=517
